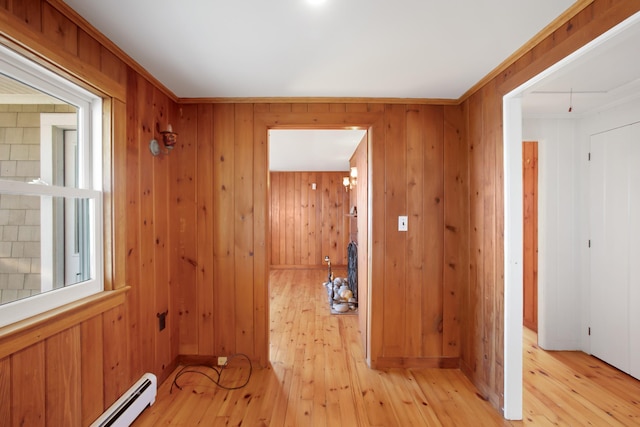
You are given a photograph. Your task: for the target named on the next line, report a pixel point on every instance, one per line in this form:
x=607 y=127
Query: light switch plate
x=403 y=223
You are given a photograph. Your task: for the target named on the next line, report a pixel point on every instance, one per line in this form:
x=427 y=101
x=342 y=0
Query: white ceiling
x=312 y=150
x=604 y=73
x=341 y=48
x=354 y=48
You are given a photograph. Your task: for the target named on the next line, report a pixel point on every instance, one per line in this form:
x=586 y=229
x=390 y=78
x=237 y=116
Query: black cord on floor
x=219 y=371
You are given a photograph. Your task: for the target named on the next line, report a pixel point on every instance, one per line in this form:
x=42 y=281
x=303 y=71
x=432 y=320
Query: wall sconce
x=169 y=139
x=352 y=180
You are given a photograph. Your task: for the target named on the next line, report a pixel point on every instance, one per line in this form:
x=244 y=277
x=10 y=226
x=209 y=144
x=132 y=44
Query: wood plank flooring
x=318 y=377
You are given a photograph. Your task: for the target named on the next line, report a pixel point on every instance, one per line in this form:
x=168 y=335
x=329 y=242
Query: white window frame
x=89 y=110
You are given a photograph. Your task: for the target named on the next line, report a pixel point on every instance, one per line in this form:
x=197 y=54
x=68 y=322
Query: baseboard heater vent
x=131 y=404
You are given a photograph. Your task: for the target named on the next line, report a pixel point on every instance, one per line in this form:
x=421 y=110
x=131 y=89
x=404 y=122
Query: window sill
x=27 y=332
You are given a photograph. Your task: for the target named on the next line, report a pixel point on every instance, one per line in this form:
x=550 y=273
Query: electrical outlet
x=162 y=320
x=222 y=360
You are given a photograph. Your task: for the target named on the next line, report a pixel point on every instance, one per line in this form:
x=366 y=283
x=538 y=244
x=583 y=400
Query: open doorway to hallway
x=318 y=203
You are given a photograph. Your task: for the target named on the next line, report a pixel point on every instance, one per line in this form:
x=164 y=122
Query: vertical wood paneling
x=530 y=232
x=396 y=241
x=456 y=229
x=488 y=194
x=244 y=226
x=118 y=192
x=28 y=386
x=274 y=218
x=129 y=341
x=260 y=242
x=206 y=296
x=63 y=379
x=134 y=149
x=433 y=304
x=419 y=333
x=377 y=236
x=476 y=295
x=297 y=212
x=161 y=183
x=146 y=282
x=311 y=236
x=5 y=388
x=305 y=246
x=116 y=366
x=92 y=379
x=184 y=295
x=305 y=189
x=224 y=223
x=289 y=227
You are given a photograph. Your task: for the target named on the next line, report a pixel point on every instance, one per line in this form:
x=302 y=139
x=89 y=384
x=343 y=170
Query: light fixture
x=352 y=180
x=169 y=139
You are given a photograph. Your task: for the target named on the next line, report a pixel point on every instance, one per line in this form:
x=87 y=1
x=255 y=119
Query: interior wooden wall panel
x=146 y=281
x=132 y=272
x=530 y=234
x=314 y=221
x=28 y=386
x=5 y=388
x=244 y=226
x=116 y=370
x=206 y=235
x=161 y=220
x=395 y=202
x=224 y=145
x=129 y=340
x=92 y=361
x=430 y=122
x=184 y=253
x=63 y=402
x=261 y=242
x=456 y=230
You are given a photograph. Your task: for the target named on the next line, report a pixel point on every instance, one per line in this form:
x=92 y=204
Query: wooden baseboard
x=417 y=362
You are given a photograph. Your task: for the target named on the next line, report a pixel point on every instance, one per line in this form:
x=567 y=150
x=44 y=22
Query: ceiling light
x=316 y=2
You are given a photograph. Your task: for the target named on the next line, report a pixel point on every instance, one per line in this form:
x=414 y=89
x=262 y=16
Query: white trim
x=89 y=126
x=512 y=113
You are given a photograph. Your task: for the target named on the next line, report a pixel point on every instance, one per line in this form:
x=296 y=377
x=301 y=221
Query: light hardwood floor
x=318 y=377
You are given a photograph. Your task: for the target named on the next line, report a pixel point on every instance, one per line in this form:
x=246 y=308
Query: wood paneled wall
x=188 y=232
x=483 y=298
x=307 y=224
x=414 y=311
x=68 y=374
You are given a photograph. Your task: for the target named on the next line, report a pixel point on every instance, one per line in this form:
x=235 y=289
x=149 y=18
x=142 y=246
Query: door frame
x=512 y=172
x=373 y=123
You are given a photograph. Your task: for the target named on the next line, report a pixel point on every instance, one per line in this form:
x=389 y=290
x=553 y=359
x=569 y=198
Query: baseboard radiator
x=131 y=404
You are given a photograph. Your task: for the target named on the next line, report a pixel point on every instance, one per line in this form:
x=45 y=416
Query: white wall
x=563 y=221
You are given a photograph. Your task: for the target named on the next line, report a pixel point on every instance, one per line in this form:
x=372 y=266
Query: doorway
x=318 y=201
x=513 y=137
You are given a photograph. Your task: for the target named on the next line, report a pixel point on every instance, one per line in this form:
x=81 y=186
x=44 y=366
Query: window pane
x=44 y=244
x=38 y=136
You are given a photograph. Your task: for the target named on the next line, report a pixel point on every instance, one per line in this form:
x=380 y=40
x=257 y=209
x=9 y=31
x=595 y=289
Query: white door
x=615 y=225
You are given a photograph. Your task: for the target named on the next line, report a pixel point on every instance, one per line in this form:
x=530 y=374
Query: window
x=50 y=190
